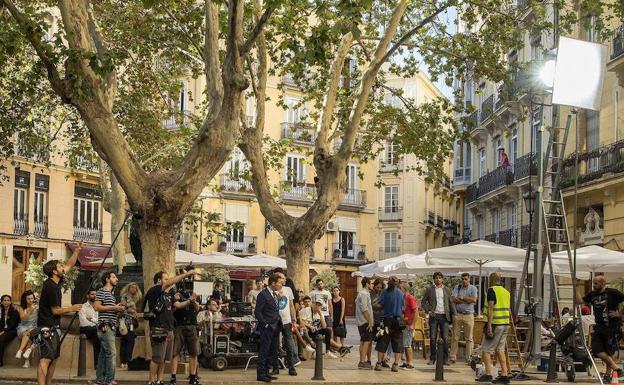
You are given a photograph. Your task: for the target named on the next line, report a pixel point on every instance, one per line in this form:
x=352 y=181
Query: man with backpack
x=158 y=310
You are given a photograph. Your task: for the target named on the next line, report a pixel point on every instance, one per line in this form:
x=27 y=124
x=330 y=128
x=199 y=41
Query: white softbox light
x=579 y=73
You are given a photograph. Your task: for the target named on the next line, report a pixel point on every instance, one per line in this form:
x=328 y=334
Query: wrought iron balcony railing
x=41 y=227
x=247 y=245
x=524 y=166
x=355 y=252
x=88 y=232
x=390 y=214
x=234 y=184
x=20 y=223
x=300 y=132
x=502 y=176
x=594 y=164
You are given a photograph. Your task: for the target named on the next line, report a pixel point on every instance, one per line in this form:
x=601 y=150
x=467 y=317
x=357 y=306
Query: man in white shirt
x=287 y=314
x=88 y=318
x=252 y=296
x=364 y=318
x=319 y=294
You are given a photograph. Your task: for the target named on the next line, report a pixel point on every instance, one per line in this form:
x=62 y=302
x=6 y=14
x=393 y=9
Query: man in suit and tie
x=268 y=325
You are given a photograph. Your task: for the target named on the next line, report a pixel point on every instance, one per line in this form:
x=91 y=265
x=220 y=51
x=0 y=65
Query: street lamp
x=449 y=232
x=529 y=202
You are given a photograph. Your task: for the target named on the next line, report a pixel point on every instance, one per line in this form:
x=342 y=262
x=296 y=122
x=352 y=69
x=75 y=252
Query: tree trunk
x=158 y=244
x=298 y=263
x=118 y=215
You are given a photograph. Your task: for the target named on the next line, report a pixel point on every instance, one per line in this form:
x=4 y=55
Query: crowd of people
x=289 y=324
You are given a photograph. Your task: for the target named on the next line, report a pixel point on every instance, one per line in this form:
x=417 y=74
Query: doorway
x=22 y=257
x=348 y=290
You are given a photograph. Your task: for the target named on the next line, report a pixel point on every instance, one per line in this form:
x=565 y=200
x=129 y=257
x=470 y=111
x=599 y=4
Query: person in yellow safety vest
x=497 y=313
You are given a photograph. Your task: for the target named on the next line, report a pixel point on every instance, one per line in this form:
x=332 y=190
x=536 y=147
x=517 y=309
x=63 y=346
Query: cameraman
x=161 y=322
x=185 y=313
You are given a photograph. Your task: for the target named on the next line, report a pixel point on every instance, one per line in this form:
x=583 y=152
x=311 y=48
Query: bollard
x=82 y=356
x=551 y=377
x=318 y=360
x=439 y=369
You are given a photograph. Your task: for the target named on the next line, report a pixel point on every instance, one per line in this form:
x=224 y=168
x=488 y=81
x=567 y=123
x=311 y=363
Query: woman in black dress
x=339 y=328
x=9 y=319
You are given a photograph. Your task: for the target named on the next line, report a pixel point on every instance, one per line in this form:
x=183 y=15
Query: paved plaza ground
x=336 y=371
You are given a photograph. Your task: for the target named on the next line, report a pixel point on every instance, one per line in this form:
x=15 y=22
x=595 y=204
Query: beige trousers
x=462 y=323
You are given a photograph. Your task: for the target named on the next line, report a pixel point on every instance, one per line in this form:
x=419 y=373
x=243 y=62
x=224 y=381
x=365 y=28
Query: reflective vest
x=502 y=307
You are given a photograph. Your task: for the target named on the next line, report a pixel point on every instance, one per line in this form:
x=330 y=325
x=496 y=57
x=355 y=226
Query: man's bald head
x=599 y=283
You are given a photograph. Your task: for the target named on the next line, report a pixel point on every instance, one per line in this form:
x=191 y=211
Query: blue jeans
x=105 y=371
x=435 y=321
x=292 y=354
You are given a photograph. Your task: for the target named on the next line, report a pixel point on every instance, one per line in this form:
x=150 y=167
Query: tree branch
x=251 y=141
x=255 y=32
x=43 y=50
x=186 y=34
x=212 y=64
x=403 y=40
x=332 y=91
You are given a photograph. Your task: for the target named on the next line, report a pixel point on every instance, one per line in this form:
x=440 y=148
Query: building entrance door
x=22 y=257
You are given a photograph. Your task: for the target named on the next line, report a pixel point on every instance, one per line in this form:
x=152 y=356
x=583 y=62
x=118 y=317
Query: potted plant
x=336 y=253
x=252 y=248
x=222 y=246
x=361 y=256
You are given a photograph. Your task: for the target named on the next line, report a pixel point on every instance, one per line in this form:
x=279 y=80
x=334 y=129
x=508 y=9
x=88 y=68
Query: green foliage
x=35 y=277
x=329 y=277
x=422 y=282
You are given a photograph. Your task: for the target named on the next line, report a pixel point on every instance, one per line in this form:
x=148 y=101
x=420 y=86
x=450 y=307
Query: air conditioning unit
x=331 y=226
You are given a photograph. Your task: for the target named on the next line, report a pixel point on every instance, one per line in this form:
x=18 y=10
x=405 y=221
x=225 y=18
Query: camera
x=185 y=287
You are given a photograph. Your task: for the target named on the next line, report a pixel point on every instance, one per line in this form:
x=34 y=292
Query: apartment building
x=46 y=209
x=498 y=165
x=413 y=214
x=600 y=201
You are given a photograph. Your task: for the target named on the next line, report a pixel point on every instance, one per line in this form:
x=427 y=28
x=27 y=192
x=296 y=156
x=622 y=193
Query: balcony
x=487 y=108
x=616 y=54
x=389 y=252
x=235 y=187
x=492 y=237
x=246 y=245
x=525 y=166
x=390 y=214
x=431 y=218
x=177 y=120
x=605 y=161
x=356 y=254
x=353 y=200
x=477 y=131
x=300 y=132
x=20 y=223
x=299 y=193
x=88 y=232
x=395 y=167
x=494 y=180
x=439 y=222
x=41 y=227
x=508 y=237
x=472 y=193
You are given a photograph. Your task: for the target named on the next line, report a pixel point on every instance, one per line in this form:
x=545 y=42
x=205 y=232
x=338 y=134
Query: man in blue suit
x=268 y=325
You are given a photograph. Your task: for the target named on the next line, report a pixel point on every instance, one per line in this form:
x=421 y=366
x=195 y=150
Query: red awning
x=90 y=257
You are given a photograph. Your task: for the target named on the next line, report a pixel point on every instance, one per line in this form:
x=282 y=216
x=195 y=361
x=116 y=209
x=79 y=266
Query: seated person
x=300 y=329
x=211 y=314
x=319 y=326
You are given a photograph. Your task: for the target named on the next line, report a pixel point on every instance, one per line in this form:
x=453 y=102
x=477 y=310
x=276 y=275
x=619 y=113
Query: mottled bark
x=298 y=262
x=158 y=245
x=114 y=201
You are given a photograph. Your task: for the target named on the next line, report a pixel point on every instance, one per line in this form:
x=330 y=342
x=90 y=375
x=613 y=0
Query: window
x=462 y=159
x=295 y=169
x=468 y=93
x=391 y=242
x=537 y=134
x=497 y=146
x=346 y=239
x=391 y=199
x=237 y=164
x=183 y=98
x=295 y=112
x=181 y=242
x=480 y=227
x=391 y=157
x=511 y=216
x=592 y=122
x=235 y=233
x=40 y=206
x=87 y=206
x=482 y=167
x=352 y=177
x=513 y=144
x=250 y=110
x=20 y=203
x=495 y=221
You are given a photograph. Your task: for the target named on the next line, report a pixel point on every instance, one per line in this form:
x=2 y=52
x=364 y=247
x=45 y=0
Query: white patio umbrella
x=591 y=259
x=269 y=261
x=477 y=253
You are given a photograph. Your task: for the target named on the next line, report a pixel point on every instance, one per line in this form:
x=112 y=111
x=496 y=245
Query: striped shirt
x=107 y=298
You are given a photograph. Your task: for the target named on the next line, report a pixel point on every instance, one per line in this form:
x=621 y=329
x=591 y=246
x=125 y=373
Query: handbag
x=123 y=326
x=340 y=331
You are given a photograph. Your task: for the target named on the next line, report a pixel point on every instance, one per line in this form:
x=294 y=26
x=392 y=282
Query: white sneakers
x=18 y=355
x=310 y=349
x=331 y=354
x=26 y=364
x=26 y=354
